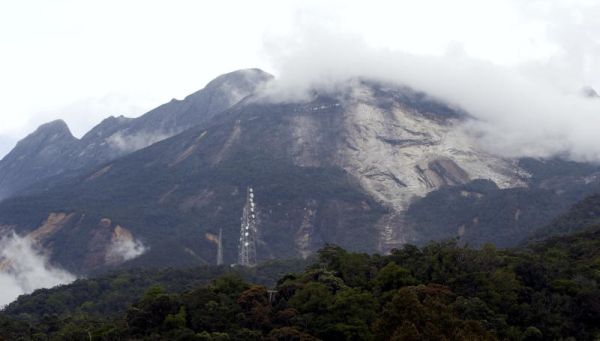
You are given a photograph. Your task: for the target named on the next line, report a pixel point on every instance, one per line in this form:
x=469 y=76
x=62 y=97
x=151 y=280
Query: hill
x=441 y=291
x=584 y=214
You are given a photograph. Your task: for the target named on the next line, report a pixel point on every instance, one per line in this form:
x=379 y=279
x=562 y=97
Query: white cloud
x=124 y=247
x=24 y=268
x=519 y=111
x=131 y=143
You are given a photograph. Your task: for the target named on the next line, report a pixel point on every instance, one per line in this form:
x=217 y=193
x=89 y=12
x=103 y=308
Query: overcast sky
x=85 y=60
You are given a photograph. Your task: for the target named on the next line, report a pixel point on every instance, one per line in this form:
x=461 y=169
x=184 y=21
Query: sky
x=512 y=63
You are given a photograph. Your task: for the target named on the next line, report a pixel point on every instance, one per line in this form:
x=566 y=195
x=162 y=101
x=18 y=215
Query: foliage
x=442 y=291
x=114 y=292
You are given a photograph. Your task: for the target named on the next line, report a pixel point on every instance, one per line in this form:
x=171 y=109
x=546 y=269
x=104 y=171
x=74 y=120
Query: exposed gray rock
x=399 y=151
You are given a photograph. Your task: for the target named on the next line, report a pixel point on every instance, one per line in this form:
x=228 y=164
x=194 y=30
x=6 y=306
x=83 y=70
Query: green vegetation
x=579 y=217
x=113 y=293
x=442 y=291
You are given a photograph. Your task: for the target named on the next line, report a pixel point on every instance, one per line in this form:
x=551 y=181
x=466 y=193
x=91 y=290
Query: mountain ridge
x=118 y=136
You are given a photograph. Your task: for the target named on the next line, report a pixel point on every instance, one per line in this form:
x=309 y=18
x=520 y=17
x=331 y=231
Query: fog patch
x=123 y=247
x=124 y=250
x=130 y=143
x=24 y=268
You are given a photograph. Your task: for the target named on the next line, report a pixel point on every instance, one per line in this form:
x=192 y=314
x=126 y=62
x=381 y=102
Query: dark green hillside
x=480 y=212
x=579 y=217
x=439 y=292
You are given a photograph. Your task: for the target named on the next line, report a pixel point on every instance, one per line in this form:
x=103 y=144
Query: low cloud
x=24 y=268
x=124 y=247
x=130 y=143
x=533 y=109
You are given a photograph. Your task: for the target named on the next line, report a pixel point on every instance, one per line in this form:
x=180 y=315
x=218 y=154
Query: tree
x=392 y=277
x=256 y=307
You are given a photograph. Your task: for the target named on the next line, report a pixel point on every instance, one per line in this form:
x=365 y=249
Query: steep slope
x=41 y=156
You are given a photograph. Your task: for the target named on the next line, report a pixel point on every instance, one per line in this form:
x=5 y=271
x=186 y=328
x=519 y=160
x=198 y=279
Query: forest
x=442 y=291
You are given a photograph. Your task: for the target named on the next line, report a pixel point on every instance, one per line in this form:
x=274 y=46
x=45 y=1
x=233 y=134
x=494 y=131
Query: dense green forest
x=583 y=214
x=443 y=291
x=114 y=292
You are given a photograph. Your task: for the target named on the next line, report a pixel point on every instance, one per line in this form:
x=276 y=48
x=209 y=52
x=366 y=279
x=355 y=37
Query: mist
x=530 y=109
x=122 y=250
x=131 y=143
x=24 y=268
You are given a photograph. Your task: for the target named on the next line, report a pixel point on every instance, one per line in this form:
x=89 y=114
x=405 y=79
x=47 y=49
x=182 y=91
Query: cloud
x=124 y=250
x=528 y=109
x=130 y=143
x=572 y=27
x=24 y=268
x=123 y=247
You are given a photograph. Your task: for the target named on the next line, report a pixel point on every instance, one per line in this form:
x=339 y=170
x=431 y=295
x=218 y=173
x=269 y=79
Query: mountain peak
x=52 y=133
x=252 y=76
x=229 y=88
x=53 y=127
x=589 y=92
x=107 y=127
x=47 y=148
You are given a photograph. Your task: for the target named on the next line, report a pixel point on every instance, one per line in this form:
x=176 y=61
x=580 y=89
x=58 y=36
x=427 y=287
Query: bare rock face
x=397 y=152
x=50 y=226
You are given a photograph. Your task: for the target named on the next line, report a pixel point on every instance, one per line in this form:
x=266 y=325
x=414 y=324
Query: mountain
x=52 y=150
x=370 y=166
